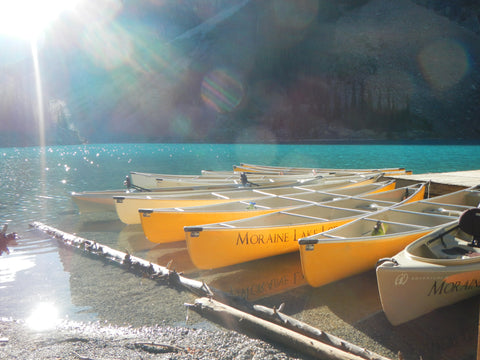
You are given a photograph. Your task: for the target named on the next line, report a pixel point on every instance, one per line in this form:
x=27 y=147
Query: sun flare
x=44 y=317
x=27 y=19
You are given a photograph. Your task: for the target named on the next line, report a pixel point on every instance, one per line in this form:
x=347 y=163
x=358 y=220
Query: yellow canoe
x=216 y=245
x=127 y=206
x=356 y=247
x=166 y=224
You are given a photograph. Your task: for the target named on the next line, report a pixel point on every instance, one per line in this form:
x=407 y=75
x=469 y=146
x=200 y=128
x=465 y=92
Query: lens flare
x=108 y=46
x=26 y=19
x=222 y=90
x=444 y=63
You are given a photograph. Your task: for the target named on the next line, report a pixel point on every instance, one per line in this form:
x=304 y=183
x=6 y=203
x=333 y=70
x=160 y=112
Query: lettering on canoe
x=251 y=238
x=259 y=239
x=445 y=288
x=270 y=286
x=401 y=279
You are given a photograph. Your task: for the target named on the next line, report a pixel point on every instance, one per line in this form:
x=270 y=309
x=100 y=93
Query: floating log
x=235 y=319
x=164 y=273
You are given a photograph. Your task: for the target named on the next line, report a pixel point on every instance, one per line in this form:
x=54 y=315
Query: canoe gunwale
x=354 y=213
x=433 y=236
x=332 y=238
x=328 y=205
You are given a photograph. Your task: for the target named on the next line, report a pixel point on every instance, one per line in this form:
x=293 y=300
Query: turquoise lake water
x=37 y=183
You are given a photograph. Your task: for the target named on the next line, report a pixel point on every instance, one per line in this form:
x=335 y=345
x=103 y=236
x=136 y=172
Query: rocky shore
x=72 y=340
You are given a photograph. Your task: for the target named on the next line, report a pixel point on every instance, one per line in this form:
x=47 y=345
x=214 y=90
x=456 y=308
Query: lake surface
x=36 y=186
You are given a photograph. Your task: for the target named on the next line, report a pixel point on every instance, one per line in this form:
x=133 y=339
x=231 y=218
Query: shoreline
x=76 y=340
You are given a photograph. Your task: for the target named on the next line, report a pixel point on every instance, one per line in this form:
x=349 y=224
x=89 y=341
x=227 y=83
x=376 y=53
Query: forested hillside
x=250 y=71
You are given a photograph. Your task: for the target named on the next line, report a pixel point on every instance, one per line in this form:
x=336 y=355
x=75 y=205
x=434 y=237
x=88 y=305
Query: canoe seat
x=457 y=252
x=470 y=223
x=460 y=252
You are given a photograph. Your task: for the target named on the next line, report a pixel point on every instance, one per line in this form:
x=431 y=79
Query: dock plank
x=442 y=182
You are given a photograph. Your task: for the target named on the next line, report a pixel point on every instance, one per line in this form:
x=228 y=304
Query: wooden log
x=199 y=288
x=235 y=319
x=276 y=316
x=136 y=264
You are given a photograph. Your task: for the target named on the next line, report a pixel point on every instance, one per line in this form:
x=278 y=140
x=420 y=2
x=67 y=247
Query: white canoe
x=439 y=269
x=103 y=200
x=143 y=180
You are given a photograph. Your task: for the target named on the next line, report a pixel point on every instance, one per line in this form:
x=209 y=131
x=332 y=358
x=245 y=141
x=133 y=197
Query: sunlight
x=27 y=19
x=44 y=317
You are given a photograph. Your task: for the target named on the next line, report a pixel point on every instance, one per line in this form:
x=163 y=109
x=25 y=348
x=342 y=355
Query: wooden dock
x=442 y=183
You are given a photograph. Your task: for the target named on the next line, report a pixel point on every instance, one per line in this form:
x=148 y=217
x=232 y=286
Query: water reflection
x=32 y=275
x=253 y=280
x=43 y=317
x=11 y=266
x=260 y=279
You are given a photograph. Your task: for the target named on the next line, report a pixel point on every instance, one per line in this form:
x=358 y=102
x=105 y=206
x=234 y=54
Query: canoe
x=98 y=201
x=103 y=200
x=355 y=247
x=439 y=269
x=166 y=224
x=127 y=206
x=143 y=180
x=253 y=168
x=221 y=244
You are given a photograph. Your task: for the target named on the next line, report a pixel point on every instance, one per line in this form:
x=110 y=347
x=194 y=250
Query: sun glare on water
x=43 y=317
x=26 y=19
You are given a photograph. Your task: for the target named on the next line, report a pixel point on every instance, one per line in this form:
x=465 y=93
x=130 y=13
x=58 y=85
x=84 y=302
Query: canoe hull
x=222 y=244
x=214 y=248
x=437 y=270
x=128 y=212
x=352 y=249
x=127 y=207
x=168 y=226
x=332 y=260
x=410 y=292
x=94 y=204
